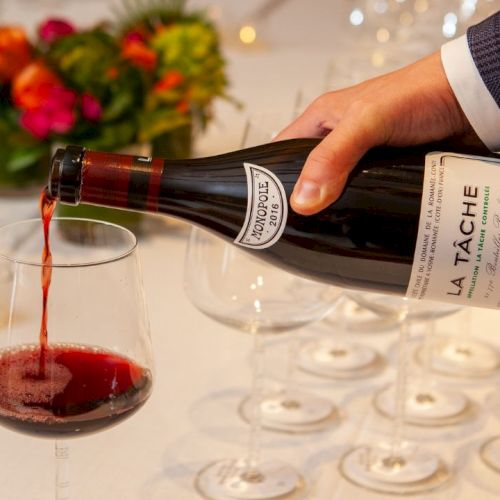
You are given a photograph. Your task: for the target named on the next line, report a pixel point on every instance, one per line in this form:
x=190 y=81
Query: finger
x=304 y=126
x=326 y=170
x=309 y=123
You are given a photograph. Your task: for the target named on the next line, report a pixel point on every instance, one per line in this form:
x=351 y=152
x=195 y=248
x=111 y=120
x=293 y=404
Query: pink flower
x=36 y=122
x=56 y=114
x=55 y=28
x=62 y=120
x=61 y=97
x=134 y=36
x=91 y=108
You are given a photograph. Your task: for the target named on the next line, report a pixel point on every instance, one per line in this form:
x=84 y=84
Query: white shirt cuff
x=474 y=98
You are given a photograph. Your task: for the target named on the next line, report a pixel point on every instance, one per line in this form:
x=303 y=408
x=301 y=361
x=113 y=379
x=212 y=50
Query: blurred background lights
x=357 y=17
x=248 y=34
x=378 y=58
x=421 y=6
x=449 y=25
x=380 y=7
x=383 y=35
x=468 y=8
x=406 y=18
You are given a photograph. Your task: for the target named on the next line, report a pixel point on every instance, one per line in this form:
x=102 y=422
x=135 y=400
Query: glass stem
x=252 y=460
x=62 y=483
x=400 y=393
x=428 y=353
x=291 y=382
x=465 y=325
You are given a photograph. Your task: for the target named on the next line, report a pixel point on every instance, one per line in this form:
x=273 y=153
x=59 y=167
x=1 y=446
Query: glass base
x=462 y=357
x=298 y=412
x=232 y=479
x=410 y=472
x=490 y=453
x=352 y=317
x=337 y=359
x=430 y=405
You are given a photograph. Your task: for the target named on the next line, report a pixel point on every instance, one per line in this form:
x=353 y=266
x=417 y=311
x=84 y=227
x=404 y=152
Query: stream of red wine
x=47 y=207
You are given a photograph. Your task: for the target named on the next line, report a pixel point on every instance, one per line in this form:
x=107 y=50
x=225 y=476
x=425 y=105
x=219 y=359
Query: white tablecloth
x=202 y=368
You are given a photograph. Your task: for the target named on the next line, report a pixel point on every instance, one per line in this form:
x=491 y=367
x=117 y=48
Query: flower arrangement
x=179 y=55
x=152 y=73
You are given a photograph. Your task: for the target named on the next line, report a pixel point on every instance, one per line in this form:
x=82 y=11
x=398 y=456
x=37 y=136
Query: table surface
x=202 y=367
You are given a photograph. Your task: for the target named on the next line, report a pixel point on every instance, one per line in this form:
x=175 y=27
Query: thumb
x=326 y=170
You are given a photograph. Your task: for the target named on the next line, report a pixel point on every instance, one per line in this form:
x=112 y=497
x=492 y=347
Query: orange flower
x=33 y=85
x=139 y=54
x=15 y=52
x=170 y=80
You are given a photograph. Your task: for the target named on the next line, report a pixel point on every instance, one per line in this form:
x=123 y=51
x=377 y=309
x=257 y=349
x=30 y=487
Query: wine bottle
x=407 y=222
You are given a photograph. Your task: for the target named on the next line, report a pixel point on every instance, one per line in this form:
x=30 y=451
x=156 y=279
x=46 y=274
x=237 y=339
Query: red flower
x=52 y=29
x=170 y=80
x=15 y=52
x=91 y=108
x=139 y=53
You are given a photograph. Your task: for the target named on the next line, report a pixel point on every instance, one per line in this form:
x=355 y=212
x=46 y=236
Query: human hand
x=412 y=105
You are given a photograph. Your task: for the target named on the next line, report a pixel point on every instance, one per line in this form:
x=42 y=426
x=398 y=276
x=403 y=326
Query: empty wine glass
x=96 y=369
x=428 y=402
x=338 y=357
x=232 y=287
x=459 y=354
x=398 y=467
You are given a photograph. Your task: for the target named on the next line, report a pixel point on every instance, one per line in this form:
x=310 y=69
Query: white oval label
x=267 y=209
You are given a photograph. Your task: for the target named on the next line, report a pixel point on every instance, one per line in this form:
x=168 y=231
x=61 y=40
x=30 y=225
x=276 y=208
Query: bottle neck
x=65 y=175
x=121 y=181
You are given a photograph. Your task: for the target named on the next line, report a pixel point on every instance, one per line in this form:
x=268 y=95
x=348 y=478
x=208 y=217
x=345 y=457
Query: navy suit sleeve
x=484 y=45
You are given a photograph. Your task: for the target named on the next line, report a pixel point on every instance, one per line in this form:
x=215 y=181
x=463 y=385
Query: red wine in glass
x=84 y=389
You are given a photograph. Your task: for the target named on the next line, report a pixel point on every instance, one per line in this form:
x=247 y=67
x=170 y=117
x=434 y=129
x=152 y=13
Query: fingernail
x=306 y=193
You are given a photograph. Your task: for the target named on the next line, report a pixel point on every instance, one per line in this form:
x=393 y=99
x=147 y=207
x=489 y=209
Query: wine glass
x=95 y=370
x=337 y=356
x=398 y=467
x=459 y=354
x=230 y=286
x=428 y=403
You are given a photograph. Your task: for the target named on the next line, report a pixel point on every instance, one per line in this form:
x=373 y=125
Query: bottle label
x=267 y=209
x=457 y=255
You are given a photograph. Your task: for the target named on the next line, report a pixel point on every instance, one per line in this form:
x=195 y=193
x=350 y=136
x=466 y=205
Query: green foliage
x=21 y=155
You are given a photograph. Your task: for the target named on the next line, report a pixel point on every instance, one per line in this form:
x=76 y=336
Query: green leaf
x=117 y=106
x=158 y=122
x=21 y=159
